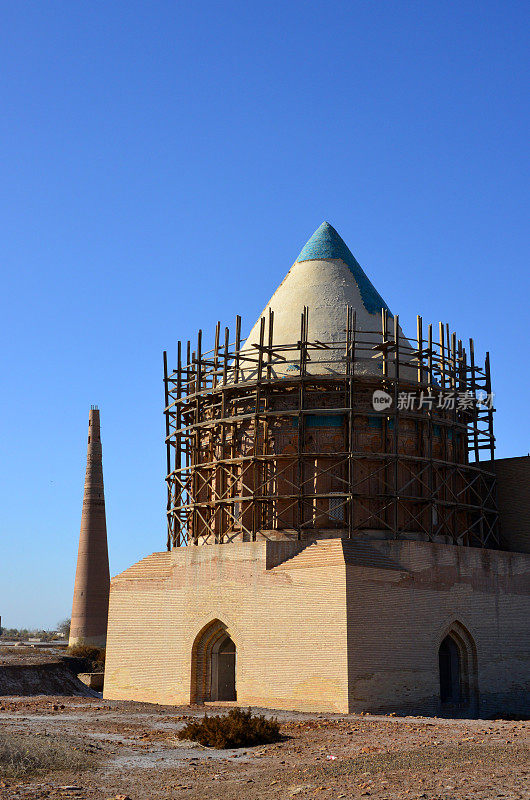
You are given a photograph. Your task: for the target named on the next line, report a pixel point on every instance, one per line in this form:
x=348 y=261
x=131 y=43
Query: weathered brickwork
x=278 y=621
x=396 y=625
x=335 y=626
x=513 y=499
x=92 y=578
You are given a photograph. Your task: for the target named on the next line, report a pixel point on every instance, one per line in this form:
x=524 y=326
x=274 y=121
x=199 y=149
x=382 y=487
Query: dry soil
x=136 y=755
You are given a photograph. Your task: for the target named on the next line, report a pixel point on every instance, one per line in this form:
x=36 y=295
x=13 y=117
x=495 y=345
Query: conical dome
x=326 y=244
x=327 y=278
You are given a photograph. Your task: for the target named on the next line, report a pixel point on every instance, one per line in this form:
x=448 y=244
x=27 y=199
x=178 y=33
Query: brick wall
x=513 y=498
x=335 y=626
x=289 y=630
x=397 y=621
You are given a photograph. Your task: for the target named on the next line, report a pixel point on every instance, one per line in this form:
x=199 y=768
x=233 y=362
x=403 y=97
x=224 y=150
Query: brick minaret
x=92 y=577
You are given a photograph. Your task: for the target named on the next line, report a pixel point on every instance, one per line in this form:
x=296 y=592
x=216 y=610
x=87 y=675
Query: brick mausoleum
x=340 y=537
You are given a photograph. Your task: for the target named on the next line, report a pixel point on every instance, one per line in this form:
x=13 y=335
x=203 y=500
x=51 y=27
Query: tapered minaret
x=92 y=578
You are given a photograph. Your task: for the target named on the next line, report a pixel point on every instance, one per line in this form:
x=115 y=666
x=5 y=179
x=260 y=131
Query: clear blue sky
x=162 y=165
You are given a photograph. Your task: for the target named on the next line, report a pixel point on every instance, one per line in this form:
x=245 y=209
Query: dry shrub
x=28 y=754
x=93 y=656
x=236 y=729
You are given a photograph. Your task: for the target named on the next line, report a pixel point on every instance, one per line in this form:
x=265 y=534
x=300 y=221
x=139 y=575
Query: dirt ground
x=137 y=756
x=24 y=655
x=35 y=670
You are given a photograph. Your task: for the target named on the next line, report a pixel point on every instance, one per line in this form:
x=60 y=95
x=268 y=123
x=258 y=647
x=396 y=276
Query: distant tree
x=64 y=627
x=12 y=634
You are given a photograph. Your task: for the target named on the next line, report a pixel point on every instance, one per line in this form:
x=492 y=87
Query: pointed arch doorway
x=458 y=674
x=450 y=671
x=213 y=665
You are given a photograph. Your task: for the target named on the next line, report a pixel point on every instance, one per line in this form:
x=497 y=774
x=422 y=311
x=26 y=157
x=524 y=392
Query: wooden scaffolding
x=283 y=440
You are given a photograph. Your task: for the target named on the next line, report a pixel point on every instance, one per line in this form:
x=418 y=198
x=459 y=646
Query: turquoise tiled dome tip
x=326 y=243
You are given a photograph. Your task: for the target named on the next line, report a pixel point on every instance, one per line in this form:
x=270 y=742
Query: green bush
x=27 y=754
x=236 y=729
